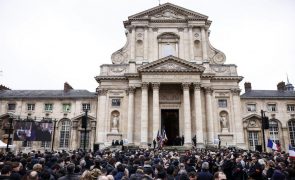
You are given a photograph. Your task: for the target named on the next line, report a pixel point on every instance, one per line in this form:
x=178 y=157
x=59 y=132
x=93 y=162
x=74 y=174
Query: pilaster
x=101 y=134
x=204 y=44
x=237 y=115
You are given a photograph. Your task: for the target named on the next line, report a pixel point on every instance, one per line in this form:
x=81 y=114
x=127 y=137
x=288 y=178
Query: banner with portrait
x=32 y=131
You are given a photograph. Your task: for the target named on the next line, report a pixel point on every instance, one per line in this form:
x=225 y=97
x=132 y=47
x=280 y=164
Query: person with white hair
x=205 y=174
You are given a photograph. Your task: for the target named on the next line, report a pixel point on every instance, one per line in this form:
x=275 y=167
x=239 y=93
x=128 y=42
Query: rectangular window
x=290 y=107
x=116 y=102
x=86 y=106
x=45 y=144
x=271 y=107
x=27 y=143
x=251 y=107
x=253 y=139
x=31 y=107
x=48 y=107
x=66 y=107
x=11 y=106
x=222 y=103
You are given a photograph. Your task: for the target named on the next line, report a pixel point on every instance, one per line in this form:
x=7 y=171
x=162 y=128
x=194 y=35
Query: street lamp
x=53 y=134
x=264 y=125
x=9 y=132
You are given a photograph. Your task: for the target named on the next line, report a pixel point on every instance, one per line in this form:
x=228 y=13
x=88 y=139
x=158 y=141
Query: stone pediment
x=171 y=64
x=168 y=11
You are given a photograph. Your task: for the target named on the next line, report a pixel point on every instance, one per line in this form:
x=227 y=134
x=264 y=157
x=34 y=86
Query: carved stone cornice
x=197 y=85
x=236 y=91
x=102 y=92
x=208 y=90
x=155 y=29
x=144 y=85
x=185 y=85
x=156 y=85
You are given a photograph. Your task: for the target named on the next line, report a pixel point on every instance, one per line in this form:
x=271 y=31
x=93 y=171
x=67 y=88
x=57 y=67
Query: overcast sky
x=46 y=43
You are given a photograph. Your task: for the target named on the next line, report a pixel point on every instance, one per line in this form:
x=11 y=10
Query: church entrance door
x=170 y=122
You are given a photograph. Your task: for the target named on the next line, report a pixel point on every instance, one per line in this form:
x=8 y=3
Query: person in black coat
x=255 y=171
x=205 y=174
x=70 y=173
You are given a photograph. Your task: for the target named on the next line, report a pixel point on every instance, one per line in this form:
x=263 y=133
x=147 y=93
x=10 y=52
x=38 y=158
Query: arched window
x=168 y=44
x=291 y=126
x=65 y=134
x=274 y=131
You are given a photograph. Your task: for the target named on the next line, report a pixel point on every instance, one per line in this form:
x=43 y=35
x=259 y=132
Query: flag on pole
x=291 y=152
x=164 y=135
x=159 y=139
x=272 y=145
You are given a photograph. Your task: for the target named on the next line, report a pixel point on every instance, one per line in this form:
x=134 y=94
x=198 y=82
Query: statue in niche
x=115 y=121
x=223 y=122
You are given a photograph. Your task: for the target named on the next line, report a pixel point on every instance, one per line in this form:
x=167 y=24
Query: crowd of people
x=147 y=164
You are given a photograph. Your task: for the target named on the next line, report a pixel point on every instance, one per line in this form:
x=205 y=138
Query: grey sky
x=46 y=43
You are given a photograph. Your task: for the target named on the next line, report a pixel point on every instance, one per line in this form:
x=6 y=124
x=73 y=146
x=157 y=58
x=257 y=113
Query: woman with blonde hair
x=86 y=175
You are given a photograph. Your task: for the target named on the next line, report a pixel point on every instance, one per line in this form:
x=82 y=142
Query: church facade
x=168 y=77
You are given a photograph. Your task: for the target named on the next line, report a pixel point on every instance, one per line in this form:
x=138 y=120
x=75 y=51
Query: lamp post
x=84 y=125
x=264 y=125
x=9 y=132
x=53 y=134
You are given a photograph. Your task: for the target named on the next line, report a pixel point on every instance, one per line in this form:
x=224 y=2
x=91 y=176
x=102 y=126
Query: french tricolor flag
x=291 y=152
x=272 y=145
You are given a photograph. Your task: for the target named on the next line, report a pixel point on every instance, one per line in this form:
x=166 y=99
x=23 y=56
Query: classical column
x=198 y=115
x=100 y=129
x=130 y=114
x=209 y=114
x=144 y=113
x=187 y=114
x=156 y=50
x=204 y=44
x=156 y=109
x=237 y=115
x=145 y=45
x=132 y=43
x=191 y=43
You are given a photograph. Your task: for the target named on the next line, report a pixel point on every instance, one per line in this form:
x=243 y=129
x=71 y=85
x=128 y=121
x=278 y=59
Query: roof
x=268 y=94
x=45 y=94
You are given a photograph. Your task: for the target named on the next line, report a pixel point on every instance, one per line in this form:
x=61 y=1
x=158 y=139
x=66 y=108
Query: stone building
x=167 y=76
x=279 y=106
x=64 y=108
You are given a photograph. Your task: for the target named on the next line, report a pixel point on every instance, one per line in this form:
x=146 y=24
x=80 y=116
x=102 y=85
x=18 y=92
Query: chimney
x=281 y=86
x=2 y=88
x=67 y=87
x=247 y=86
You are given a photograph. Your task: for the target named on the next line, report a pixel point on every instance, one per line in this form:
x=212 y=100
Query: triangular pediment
x=168 y=11
x=171 y=64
